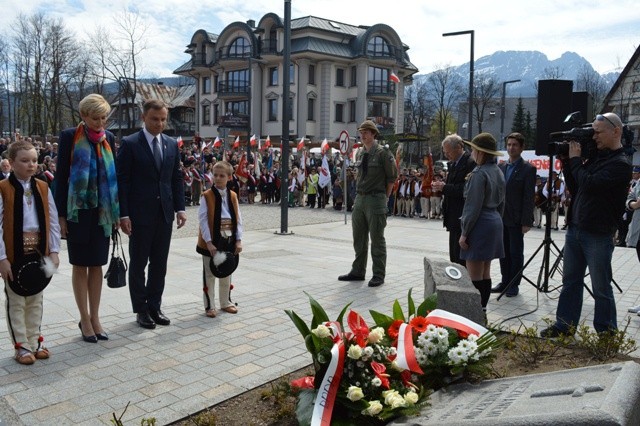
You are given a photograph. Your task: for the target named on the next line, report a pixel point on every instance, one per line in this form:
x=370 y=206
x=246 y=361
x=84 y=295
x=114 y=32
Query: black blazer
x=453 y=191
x=520 y=195
x=63 y=168
x=143 y=189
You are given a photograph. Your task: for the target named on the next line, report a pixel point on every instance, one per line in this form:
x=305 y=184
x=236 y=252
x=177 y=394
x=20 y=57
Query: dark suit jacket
x=520 y=195
x=63 y=164
x=143 y=189
x=453 y=191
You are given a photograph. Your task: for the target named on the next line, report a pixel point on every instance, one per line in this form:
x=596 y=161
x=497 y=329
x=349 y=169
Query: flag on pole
x=241 y=171
x=324 y=146
x=393 y=77
x=267 y=143
x=270 y=162
x=180 y=142
x=236 y=143
x=217 y=143
x=324 y=179
x=252 y=141
x=257 y=161
x=301 y=144
x=427 y=179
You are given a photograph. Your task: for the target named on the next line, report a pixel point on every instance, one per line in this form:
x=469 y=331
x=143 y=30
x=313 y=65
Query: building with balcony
x=126 y=107
x=339 y=75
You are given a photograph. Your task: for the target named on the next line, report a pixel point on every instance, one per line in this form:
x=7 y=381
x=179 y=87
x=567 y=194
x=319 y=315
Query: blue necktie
x=157 y=156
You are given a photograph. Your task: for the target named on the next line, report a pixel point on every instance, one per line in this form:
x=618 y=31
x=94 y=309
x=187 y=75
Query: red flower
x=419 y=324
x=394 y=329
x=359 y=328
x=303 y=382
x=379 y=370
x=406 y=379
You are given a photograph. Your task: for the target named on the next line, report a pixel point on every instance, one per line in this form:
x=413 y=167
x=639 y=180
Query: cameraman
x=598 y=187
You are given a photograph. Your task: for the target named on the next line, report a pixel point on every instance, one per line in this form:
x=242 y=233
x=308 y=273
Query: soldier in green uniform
x=376 y=174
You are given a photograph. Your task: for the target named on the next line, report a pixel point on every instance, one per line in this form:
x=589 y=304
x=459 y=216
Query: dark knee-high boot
x=484 y=287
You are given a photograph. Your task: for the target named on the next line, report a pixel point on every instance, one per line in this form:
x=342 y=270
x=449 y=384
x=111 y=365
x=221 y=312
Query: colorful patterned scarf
x=92 y=181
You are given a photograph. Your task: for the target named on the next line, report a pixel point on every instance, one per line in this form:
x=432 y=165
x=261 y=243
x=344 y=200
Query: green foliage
x=203 y=418
x=518 y=124
x=605 y=345
x=527 y=348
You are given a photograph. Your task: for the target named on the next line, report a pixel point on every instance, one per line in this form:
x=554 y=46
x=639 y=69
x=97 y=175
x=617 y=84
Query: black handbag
x=116 y=275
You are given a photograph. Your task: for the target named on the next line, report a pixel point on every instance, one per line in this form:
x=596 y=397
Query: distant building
x=624 y=99
x=340 y=74
x=126 y=113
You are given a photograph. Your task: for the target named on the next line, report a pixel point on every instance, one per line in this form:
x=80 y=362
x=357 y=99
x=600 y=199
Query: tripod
x=556 y=268
x=545 y=246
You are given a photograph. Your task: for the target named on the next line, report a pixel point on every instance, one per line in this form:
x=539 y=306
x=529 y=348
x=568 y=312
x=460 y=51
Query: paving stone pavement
x=171 y=372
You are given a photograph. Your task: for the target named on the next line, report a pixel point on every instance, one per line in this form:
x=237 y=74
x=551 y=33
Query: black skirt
x=86 y=242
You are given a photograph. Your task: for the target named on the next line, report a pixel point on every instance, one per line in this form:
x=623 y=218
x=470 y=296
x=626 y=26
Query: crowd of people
x=87 y=186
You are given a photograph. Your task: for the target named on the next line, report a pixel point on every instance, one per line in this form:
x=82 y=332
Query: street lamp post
x=470 y=102
x=502 y=111
x=286 y=84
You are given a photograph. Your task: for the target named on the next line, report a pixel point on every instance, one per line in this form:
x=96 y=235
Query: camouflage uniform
x=375 y=170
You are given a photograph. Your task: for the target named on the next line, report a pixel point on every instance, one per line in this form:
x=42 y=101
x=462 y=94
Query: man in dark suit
x=459 y=166
x=150 y=187
x=517 y=219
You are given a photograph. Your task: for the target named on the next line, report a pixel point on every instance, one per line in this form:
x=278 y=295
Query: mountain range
x=528 y=67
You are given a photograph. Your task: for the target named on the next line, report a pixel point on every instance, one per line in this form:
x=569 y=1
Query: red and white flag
x=180 y=142
x=267 y=143
x=252 y=141
x=324 y=178
x=217 y=143
x=393 y=77
x=301 y=144
x=236 y=143
x=324 y=146
x=241 y=170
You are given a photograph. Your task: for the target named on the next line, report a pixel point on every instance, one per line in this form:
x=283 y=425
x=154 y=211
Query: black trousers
x=454 y=247
x=148 y=244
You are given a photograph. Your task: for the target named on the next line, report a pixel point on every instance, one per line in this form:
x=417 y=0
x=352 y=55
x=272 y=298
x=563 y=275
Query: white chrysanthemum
x=472 y=338
x=442 y=333
x=376 y=382
x=423 y=339
x=431 y=330
x=458 y=355
x=367 y=351
x=431 y=349
x=376 y=335
x=393 y=351
x=321 y=331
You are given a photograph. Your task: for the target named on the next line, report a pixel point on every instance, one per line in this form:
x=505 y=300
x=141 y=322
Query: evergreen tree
x=519 y=124
x=529 y=130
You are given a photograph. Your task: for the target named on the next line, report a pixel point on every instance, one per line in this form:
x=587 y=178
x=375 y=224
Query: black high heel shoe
x=102 y=336
x=88 y=339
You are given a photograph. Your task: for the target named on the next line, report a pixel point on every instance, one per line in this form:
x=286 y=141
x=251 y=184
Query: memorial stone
x=602 y=395
x=456 y=293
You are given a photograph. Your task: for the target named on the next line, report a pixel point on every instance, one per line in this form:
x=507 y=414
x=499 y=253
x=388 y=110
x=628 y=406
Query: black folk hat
x=226 y=261
x=29 y=278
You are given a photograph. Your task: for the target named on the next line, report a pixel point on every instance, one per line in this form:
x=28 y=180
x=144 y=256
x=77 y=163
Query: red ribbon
x=406 y=354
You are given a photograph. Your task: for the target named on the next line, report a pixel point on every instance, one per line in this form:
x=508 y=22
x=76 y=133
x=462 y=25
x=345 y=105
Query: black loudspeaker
x=554 y=104
x=583 y=102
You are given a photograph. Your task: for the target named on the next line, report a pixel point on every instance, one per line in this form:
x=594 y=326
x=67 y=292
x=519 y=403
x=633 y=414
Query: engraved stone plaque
x=600 y=395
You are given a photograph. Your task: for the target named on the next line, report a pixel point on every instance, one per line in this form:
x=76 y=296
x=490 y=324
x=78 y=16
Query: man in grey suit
x=150 y=189
x=517 y=219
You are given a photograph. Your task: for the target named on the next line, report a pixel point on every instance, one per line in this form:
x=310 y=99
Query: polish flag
x=393 y=77
x=324 y=177
x=236 y=144
x=324 y=146
x=252 y=141
x=301 y=144
x=267 y=143
x=241 y=171
x=217 y=143
x=180 y=142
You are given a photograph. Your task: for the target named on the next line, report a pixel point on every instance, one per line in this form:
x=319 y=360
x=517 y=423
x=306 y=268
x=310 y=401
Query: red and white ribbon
x=444 y=318
x=323 y=407
x=406 y=358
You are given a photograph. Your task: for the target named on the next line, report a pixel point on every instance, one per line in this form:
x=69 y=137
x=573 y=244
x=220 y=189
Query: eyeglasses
x=601 y=117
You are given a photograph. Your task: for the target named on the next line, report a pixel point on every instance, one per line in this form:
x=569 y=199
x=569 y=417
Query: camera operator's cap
x=636 y=169
x=369 y=125
x=485 y=142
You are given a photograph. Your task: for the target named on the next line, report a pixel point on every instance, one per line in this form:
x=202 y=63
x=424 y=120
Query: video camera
x=582 y=134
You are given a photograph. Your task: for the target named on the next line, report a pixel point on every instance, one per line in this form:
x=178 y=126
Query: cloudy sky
x=605 y=32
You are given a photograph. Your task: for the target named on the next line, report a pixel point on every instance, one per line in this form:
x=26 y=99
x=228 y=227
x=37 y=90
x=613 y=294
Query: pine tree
x=529 y=130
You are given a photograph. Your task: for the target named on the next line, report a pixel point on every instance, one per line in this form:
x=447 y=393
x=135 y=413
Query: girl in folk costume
x=28 y=229
x=220 y=239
